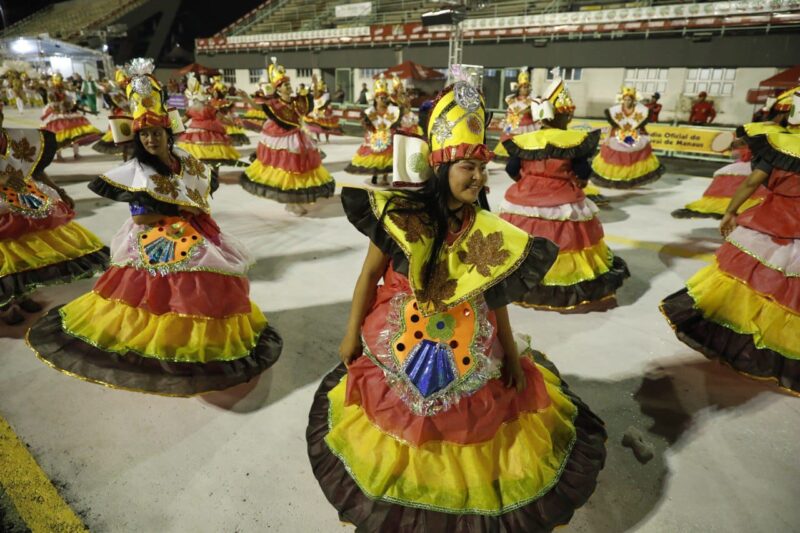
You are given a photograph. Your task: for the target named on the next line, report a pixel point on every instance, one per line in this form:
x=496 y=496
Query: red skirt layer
x=762 y=279
x=777 y=215
x=365 y=150
x=624 y=159
x=536 y=191
x=208 y=125
x=297 y=163
x=13 y=225
x=204 y=137
x=205 y=294
x=570 y=236
x=473 y=419
x=723 y=186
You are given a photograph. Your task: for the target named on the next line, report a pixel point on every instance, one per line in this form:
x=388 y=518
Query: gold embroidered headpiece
x=558 y=95
x=277 y=74
x=380 y=86
x=457 y=124
x=783 y=102
x=524 y=77
x=629 y=91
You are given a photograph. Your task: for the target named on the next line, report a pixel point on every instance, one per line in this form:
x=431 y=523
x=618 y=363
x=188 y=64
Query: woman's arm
x=44 y=178
x=743 y=192
x=513 y=376
x=364 y=294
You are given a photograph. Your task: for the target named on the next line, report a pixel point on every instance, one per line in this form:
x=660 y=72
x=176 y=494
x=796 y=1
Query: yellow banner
x=668 y=138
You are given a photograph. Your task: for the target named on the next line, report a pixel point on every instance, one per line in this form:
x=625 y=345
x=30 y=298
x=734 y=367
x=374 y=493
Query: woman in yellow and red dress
x=321 y=120
x=438 y=421
x=60 y=117
x=744 y=309
x=409 y=121
x=172 y=315
x=288 y=166
x=40 y=244
x=726 y=180
x=518 y=119
x=626 y=158
x=548 y=201
x=381 y=120
x=234 y=127
x=255 y=117
x=205 y=137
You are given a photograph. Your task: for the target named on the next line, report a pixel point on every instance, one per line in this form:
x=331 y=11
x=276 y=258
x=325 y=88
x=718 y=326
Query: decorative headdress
x=277 y=74
x=794 y=110
x=321 y=86
x=397 y=84
x=147 y=103
x=524 y=77
x=57 y=79
x=558 y=96
x=380 y=86
x=629 y=91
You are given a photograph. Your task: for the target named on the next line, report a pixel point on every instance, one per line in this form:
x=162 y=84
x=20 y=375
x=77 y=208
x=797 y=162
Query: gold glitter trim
x=567 y=308
x=761 y=260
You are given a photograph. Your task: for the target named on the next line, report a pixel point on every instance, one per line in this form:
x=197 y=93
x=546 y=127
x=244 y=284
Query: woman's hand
x=727 y=225
x=513 y=376
x=350 y=349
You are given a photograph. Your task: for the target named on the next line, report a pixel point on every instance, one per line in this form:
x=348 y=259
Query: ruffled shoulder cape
x=136 y=182
x=774 y=144
x=551 y=143
x=28 y=152
x=491 y=256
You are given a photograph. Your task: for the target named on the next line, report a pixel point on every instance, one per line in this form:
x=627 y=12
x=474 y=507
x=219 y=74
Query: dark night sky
x=199 y=18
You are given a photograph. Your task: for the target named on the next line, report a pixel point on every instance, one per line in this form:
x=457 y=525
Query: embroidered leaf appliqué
x=439 y=288
x=23 y=150
x=414 y=225
x=165 y=185
x=484 y=252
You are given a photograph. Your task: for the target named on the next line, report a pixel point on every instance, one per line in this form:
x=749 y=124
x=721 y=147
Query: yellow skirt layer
x=372 y=161
x=731 y=303
x=281 y=179
x=47 y=247
x=107 y=137
x=583 y=265
x=74 y=133
x=717 y=206
x=624 y=173
x=211 y=151
x=117 y=327
x=591 y=190
x=519 y=464
x=235 y=130
x=255 y=113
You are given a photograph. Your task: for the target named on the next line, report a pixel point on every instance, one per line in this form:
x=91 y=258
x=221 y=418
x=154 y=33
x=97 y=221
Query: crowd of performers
x=432 y=379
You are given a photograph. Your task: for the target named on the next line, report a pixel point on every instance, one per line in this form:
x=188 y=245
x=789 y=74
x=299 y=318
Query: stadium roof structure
x=42 y=46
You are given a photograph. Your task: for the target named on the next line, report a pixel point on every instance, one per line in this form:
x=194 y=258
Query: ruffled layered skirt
x=623 y=166
x=718 y=194
x=325 y=123
x=492 y=460
x=288 y=168
x=209 y=145
x=172 y=315
x=586 y=271
x=71 y=128
x=374 y=156
x=744 y=309
x=254 y=119
x=46 y=249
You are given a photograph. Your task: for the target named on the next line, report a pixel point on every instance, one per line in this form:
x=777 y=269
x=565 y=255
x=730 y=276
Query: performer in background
x=655 y=107
x=61 y=118
x=321 y=119
x=626 y=158
x=703 y=111
x=518 y=117
x=172 y=315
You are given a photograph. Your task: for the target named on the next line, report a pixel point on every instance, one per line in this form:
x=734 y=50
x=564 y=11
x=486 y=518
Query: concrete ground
x=726 y=447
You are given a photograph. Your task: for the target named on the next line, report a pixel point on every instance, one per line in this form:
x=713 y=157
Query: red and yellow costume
x=419 y=433
x=374 y=156
x=626 y=158
x=518 y=117
x=40 y=244
x=254 y=118
x=744 y=309
x=106 y=144
x=288 y=166
x=547 y=201
x=172 y=314
x=234 y=127
x=409 y=122
x=321 y=120
x=60 y=118
x=205 y=137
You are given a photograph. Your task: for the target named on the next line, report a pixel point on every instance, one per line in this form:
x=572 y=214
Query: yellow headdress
x=524 y=77
x=277 y=74
x=120 y=78
x=380 y=86
x=320 y=86
x=456 y=127
x=146 y=101
x=629 y=91
x=397 y=84
x=783 y=102
x=794 y=110
x=57 y=79
x=558 y=95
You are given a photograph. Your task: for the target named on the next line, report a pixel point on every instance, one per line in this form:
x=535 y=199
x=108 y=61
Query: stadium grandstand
x=347 y=46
